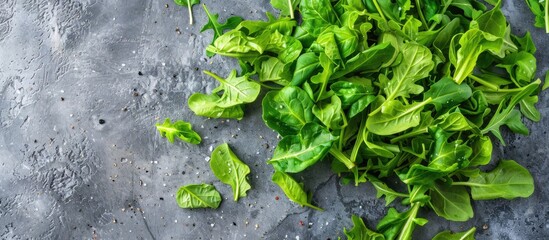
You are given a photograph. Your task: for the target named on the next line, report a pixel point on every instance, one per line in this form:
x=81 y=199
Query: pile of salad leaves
x=415 y=91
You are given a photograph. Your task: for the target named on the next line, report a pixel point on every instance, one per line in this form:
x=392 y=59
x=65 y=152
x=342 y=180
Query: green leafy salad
x=405 y=95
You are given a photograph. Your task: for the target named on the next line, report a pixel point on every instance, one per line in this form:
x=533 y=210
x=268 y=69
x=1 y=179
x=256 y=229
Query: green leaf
x=361 y=232
x=451 y=202
x=198 y=196
x=492 y=22
x=293 y=190
x=528 y=108
x=306 y=65
x=417 y=62
x=230 y=170
x=370 y=59
x=188 y=4
x=521 y=66
x=473 y=43
x=546 y=81
x=236 y=90
x=447 y=235
x=286 y=7
x=446 y=94
x=317 y=15
x=330 y=113
x=206 y=106
x=446 y=154
x=395 y=117
x=295 y=153
x=383 y=189
x=288 y=110
x=218 y=27
x=482 y=151
x=400 y=224
x=179 y=129
x=508 y=180
x=274 y=70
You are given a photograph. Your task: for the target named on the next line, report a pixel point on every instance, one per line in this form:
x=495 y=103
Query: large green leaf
x=446 y=94
x=395 y=117
x=451 y=202
x=198 y=196
x=230 y=170
x=287 y=110
x=295 y=153
x=508 y=180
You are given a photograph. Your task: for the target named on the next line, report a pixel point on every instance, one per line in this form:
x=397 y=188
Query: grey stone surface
x=64 y=65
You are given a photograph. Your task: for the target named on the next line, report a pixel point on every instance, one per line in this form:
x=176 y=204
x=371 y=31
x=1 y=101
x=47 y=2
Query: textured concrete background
x=66 y=65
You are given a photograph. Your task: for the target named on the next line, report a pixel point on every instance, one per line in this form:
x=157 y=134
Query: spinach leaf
x=295 y=153
x=482 y=151
x=288 y=110
x=451 y=202
x=317 y=15
x=218 y=27
x=330 y=114
x=230 y=170
x=361 y=232
x=446 y=94
x=395 y=117
x=189 y=4
x=274 y=70
x=293 y=190
x=206 y=106
x=179 y=129
x=447 y=235
x=306 y=65
x=198 y=196
x=508 y=180
x=367 y=60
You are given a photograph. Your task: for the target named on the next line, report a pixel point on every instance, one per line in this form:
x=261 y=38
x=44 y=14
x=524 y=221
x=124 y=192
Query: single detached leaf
x=230 y=170
x=292 y=189
x=198 y=196
x=218 y=27
x=236 y=90
x=361 y=232
x=508 y=180
x=189 y=4
x=295 y=153
x=287 y=110
x=447 y=235
x=179 y=129
x=451 y=202
x=206 y=106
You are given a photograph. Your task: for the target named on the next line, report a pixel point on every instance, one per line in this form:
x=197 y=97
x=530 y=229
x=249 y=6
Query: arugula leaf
x=446 y=94
x=230 y=170
x=198 y=196
x=236 y=90
x=293 y=190
x=508 y=180
x=179 y=129
x=540 y=9
x=400 y=224
x=447 y=235
x=218 y=27
x=188 y=4
x=206 y=106
x=361 y=232
x=295 y=153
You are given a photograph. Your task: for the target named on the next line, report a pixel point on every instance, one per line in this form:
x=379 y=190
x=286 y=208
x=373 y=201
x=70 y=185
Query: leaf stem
x=546 y=9
x=342 y=158
x=420 y=13
x=291 y=9
x=406 y=232
x=211 y=74
x=379 y=10
x=483 y=82
x=190 y=12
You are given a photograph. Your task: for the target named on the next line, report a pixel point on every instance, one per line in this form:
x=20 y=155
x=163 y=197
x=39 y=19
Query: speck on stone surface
x=49 y=46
